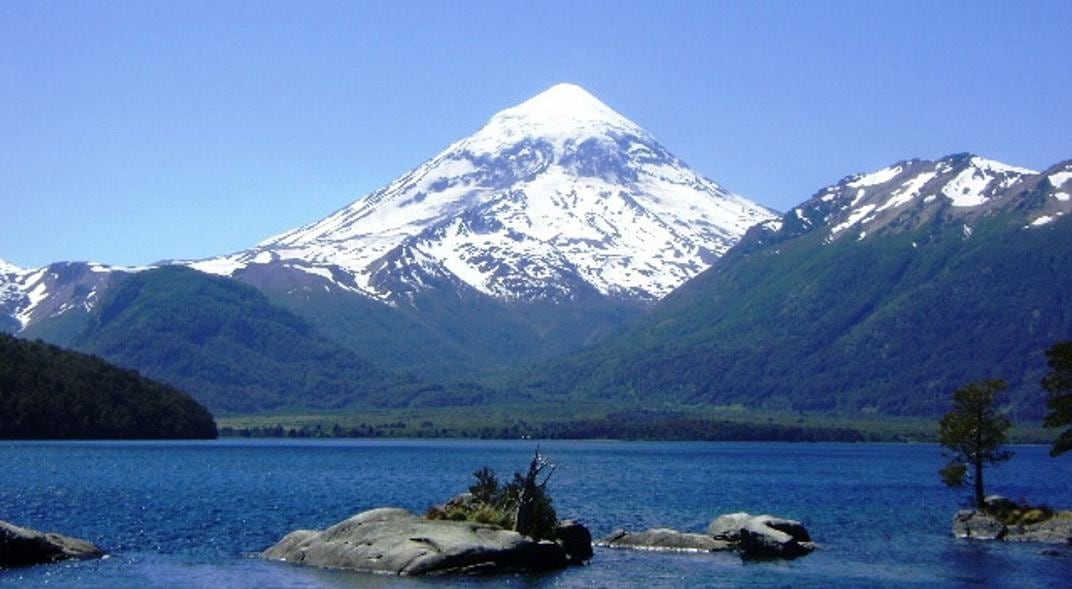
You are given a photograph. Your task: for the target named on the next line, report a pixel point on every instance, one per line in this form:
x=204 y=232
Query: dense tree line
x=627 y=425
x=47 y=392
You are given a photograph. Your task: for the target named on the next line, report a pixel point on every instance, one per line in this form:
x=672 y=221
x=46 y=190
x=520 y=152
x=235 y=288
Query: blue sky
x=137 y=131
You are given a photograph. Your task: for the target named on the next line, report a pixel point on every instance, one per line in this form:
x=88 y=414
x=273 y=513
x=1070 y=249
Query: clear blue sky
x=137 y=131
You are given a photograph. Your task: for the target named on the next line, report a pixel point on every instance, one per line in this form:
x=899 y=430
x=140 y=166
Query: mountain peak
x=562 y=112
x=561 y=101
x=556 y=198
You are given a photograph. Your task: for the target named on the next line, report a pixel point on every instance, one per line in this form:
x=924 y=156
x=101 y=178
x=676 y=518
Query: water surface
x=189 y=514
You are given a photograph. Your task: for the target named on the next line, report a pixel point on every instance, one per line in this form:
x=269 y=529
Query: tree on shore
x=974 y=432
x=1058 y=383
x=535 y=515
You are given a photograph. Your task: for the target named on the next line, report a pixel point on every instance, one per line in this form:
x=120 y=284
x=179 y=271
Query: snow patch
x=218 y=266
x=855 y=217
x=1058 y=179
x=875 y=178
x=998 y=167
x=908 y=191
x=966 y=189
x=1044 y=219
x=774 y=225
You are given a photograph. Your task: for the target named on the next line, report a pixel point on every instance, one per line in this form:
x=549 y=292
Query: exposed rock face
x=389 y=540
x=22 y=547
x=974 y=524
x=664 y=539
x=762 y=536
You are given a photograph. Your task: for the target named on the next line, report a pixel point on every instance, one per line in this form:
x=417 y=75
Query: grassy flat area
x=593 y=421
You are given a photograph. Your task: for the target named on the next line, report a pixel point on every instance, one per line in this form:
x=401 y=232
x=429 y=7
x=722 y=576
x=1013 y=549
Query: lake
x=189 y=514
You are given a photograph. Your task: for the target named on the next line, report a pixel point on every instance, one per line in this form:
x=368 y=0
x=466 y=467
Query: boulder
x=970 y=523
x=728 y=526
x=22 y=547
x=395 y=541
x=762 y=536
x=575 y=539
x=664 y=539
x=760 y=541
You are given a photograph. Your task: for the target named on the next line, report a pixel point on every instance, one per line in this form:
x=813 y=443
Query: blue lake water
x=189 y=514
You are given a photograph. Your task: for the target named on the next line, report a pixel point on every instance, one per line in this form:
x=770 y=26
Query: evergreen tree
x=974 y=432
x=1058 y=383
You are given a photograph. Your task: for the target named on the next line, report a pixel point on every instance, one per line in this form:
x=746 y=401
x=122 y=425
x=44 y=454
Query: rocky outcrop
x=978 y=525
x=395 y=541
x=762 y=536
x=22 y=547
x=664 y=539
x=575 y=539
x=752 y=536
x=969 y=523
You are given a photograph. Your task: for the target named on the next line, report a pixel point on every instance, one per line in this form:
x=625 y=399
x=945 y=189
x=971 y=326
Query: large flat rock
x=23 y=547
x=389 y=540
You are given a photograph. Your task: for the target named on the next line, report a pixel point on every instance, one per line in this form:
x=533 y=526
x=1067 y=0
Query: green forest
x=47 y=392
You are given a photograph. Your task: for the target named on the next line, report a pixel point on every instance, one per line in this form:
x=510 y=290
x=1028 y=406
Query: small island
x=493 y=528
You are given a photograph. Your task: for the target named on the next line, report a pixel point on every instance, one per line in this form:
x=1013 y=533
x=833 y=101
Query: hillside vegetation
x=47 y=392
x=888 y=325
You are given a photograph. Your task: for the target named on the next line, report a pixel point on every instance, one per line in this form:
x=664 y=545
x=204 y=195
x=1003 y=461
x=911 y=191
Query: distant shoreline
x=637 y=425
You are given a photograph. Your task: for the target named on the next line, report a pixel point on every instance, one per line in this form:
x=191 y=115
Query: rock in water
x=664 y=539
x=728 y=526
x=762 y=536
x=969 y=523
x=760 y=541
x=22 y=547
x=389 y=540
x=575 y=539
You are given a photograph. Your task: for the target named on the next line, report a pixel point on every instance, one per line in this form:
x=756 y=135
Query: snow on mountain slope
x=959 y=188
x=557 y=194
x=29 y=295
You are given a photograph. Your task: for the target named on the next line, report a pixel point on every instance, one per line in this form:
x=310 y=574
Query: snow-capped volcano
x=556 y=195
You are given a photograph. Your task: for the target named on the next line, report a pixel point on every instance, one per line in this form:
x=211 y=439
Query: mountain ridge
x=795 y=320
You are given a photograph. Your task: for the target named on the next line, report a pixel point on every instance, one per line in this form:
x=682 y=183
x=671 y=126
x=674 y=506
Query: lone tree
x=1058 y=383
x=535 y=516
x=974 y=433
